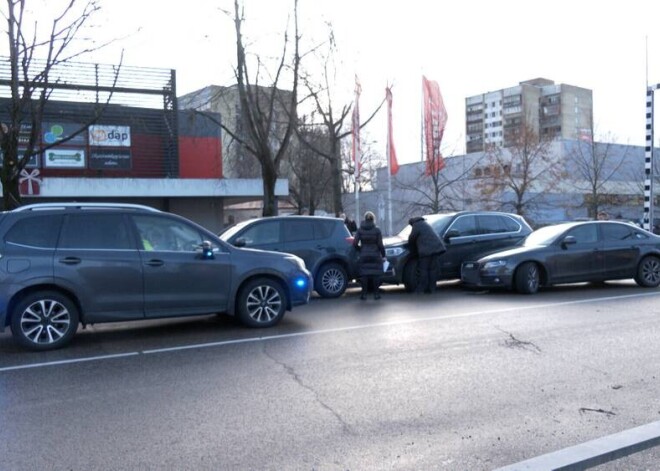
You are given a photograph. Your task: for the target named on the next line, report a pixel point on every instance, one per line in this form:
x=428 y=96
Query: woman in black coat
x=369 y=244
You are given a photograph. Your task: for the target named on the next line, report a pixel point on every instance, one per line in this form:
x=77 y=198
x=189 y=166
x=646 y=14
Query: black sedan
x=569 y=253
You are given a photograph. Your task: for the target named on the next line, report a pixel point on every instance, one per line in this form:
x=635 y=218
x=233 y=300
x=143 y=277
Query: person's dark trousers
x=370 y=283
x=427 y=268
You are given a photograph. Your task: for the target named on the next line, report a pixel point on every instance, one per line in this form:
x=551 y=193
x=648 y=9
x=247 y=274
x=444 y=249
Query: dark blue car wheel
x=331 y=280
x=44 y=320
x=261 y=303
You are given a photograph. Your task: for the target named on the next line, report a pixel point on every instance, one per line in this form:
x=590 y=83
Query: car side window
x=324 y=229
x=37 y=231
x=465 y=225
x=95 y=231
x=298 y=230
x=167 y=234
x=491 y=224
x=510 y=224
x=617 y=232
x=264 y=232
x=586 y=234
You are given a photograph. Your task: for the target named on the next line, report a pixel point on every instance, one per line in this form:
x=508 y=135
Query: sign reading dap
x=110 y=136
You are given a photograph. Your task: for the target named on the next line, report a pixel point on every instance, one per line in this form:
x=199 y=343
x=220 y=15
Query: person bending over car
x=427 y=245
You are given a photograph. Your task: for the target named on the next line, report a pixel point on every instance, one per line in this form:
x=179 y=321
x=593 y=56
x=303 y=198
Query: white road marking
x=323 y=331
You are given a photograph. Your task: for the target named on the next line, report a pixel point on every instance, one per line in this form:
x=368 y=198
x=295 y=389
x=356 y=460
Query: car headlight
x=393 y=252
x=494 y=264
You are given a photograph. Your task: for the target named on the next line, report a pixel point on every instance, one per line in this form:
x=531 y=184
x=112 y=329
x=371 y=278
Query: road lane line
x=595 y=452
x=324 y=331
x=67 y=362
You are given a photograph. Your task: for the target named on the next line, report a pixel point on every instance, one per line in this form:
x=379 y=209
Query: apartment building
x=551 y=110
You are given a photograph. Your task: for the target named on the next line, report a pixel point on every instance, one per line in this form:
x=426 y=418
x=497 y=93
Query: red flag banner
x=435 y=119
x=355 y=130
x=391 y=151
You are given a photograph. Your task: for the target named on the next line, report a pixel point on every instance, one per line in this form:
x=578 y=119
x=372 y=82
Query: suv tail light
x=350 y=240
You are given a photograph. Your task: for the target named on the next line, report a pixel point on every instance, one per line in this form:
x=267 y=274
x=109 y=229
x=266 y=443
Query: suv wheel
x=331 y=280
x=261 y=303
x=44 y=320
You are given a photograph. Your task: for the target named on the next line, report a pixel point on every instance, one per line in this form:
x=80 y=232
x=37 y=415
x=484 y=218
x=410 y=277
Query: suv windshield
x=227 y=234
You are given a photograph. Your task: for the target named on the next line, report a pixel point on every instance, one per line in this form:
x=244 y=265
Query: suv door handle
x=70 y=260
x=155 y=263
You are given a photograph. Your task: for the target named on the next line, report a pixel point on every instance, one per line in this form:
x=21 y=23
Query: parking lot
x=456 y=380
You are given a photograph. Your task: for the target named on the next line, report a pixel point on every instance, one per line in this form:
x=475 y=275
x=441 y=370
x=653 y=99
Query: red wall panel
x=200 y=157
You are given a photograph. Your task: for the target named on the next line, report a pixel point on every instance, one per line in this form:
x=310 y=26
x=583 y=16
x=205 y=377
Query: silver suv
x=65 y=264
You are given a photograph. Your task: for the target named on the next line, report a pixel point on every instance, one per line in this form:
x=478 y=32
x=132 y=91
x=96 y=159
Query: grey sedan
x=568 y=253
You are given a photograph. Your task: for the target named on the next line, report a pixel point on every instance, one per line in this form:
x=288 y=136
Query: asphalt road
x=457 y=380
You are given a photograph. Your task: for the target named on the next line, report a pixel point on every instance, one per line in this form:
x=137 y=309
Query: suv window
x=324 y=229
x=267 y=232
x=166 y=234
x=298 y=230
x=465 y=225
x=491 y=224
x=511 y=225
x=95 y=231
x=38 y=231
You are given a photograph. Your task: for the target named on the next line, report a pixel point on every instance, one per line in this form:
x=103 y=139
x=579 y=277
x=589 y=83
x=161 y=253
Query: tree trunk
x=270 y=200
x=338 y=207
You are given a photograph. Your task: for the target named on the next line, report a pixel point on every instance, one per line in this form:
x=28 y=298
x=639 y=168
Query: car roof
x=82 y=206
x=470 y=213
x=291 y=217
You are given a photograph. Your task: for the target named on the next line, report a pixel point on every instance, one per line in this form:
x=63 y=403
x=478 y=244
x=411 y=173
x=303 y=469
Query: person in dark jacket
x=350 y=224
x=427 y=245
x=369 y=245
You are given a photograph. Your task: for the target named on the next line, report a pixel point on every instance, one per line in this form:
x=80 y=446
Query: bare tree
x=370 y=161
x=310 y=176
x=594 y=165
x=268 y=116
x=332 y=119
x=442 y=190
x=34 y=59
x=516 y=177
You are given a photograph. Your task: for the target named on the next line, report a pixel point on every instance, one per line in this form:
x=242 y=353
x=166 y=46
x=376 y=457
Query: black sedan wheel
x=331 y=281
x=44 y=321
x=262 y=303
x=648 y=272
x=527 y=278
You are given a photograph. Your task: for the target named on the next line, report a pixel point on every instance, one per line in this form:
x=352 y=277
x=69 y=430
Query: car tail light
x=350 y=240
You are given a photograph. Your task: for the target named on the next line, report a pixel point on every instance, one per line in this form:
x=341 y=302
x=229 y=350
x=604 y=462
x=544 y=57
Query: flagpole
x=421 y=123
x=389 y=180
x=357 y=151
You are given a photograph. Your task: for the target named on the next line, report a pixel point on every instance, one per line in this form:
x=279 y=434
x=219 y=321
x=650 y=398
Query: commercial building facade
x=140 y=148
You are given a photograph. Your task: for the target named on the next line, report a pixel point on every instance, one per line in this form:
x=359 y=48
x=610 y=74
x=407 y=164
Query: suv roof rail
x=44 y=206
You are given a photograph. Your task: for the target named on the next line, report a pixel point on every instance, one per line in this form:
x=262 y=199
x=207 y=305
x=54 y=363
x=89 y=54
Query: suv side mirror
x=450 y=234
x=206 y=248
x=240 y=242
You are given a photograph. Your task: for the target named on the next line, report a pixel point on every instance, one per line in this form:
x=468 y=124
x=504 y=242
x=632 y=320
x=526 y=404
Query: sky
x=469 y=47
